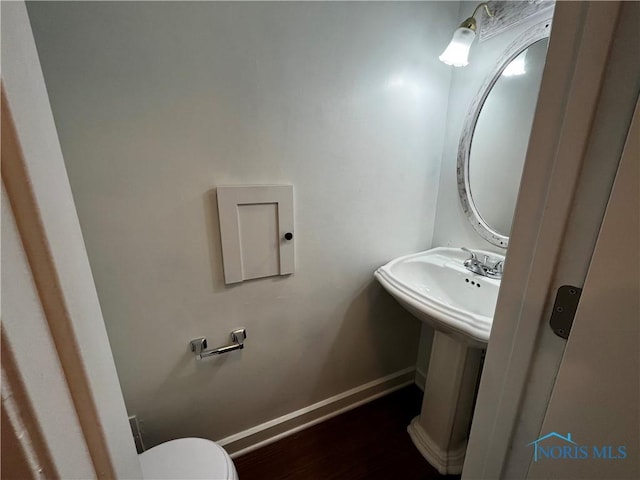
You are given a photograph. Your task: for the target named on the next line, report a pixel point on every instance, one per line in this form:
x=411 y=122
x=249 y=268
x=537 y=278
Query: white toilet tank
x=187 y=458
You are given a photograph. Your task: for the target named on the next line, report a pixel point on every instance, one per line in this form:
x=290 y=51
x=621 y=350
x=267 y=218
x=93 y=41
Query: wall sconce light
x=457 y=53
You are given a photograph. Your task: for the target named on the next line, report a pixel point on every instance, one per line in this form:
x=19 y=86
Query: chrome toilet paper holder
x=199 y=345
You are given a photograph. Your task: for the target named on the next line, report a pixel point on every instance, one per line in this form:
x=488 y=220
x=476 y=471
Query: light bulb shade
x=457 y=53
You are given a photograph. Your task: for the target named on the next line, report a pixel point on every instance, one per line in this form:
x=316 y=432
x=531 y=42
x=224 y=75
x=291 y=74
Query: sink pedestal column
x=440 y=432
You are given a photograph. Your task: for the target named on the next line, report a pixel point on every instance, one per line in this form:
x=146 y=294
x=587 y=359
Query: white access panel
x=256 y=230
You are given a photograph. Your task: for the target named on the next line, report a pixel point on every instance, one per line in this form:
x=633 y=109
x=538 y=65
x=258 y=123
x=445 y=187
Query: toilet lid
x=187 y=458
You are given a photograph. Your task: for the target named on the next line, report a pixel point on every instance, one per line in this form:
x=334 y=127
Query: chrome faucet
x=472 y=263
x=483 y=267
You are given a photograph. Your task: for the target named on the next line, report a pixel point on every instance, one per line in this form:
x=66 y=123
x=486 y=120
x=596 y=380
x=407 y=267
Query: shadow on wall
x=178 y=385
x=376 y=323
x=178 y=388
x=214 y=243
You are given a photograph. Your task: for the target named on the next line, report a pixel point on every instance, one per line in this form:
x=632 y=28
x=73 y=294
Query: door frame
x=51 y=255
x=582 y=118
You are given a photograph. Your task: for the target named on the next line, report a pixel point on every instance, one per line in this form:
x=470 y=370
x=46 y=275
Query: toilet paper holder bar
x=199 y=345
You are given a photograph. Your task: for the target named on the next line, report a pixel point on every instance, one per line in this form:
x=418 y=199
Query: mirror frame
x=538 y=32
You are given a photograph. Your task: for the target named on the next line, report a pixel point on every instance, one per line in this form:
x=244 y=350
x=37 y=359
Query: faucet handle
x=473 y=255
x=499 y=266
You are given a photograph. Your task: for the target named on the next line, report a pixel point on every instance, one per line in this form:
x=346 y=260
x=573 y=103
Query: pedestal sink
x=437 y=288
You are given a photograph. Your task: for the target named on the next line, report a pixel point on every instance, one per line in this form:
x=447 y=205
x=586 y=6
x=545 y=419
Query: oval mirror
x=496 y=134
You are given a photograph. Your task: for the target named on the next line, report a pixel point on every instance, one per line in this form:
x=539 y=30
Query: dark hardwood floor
x=370 y=442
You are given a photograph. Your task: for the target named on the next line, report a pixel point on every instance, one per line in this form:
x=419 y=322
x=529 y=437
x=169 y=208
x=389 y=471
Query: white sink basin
x=436 y=288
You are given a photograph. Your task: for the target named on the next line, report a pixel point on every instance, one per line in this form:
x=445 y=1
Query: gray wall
x=158 y=103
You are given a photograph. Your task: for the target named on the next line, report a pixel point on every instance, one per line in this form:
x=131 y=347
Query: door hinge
x=564 y=310
x=137 y=435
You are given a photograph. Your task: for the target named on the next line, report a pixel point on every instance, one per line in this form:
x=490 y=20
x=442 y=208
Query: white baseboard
x=421 y=379
x=273 y=430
